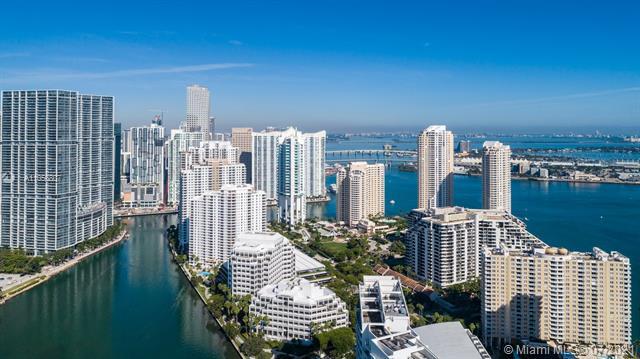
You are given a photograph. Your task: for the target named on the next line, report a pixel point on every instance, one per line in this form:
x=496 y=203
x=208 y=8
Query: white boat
x=392 y=202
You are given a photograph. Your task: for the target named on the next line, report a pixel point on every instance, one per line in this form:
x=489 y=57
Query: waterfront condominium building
x=56 y=162
x=383 y=328
x=314 y=147
x=297 y=307
x=435 y=167
x=292 y=204
x=216 y=219
x=310 y=149
x=260 y=259
x=555 y=295
x=242 y=139
x=198 y=179
x=496 y=176
x=360 y=192
x=443 y=244
x=206 y=167
x=199 y=110
x=179 y=142
x=146 y=181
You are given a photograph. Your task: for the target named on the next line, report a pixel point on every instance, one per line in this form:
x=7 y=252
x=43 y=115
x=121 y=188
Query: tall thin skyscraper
x=292 y=204
x=117 y=160
x=56 y=161
x=314 y=148
x=360 y=192
x=496 y=176
x=435 y=167
x=199 y=110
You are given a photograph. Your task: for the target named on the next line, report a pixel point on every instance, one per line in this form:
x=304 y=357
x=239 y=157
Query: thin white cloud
x=561 y=97
x=8 y=55
x=236 y=42
x=54 y=75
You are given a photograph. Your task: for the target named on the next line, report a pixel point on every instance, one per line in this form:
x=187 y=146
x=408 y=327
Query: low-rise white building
x=297 y=307
x=260 y=259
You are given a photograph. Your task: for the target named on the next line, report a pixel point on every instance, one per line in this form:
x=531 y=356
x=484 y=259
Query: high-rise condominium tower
x=56 y=162
x=443 y=245
x=435 y=167
x=179 y=143
x=198 y=110
x=242 y=139
x=496 y=176
x=289 y=166
x=146 y=186
x=360 y=192
x=314 y=148
x=552 y=294
x=218 y=217
x=292 y=204
x=207 y=167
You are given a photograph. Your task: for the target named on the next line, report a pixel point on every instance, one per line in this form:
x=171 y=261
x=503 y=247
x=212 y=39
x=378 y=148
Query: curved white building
x=260 y=259
x=295 y=307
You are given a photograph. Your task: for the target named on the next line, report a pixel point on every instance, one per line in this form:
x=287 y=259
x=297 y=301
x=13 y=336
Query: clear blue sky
x=339 y=65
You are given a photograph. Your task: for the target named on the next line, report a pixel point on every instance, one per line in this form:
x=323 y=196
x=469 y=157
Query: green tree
x=253 y=345
x=232 y=329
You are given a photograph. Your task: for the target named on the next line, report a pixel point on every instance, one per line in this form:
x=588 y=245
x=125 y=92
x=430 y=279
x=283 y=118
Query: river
x=128 y=301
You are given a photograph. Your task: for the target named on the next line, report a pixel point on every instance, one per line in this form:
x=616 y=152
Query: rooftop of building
x=494 y=144
x=299 y=291
x=450 y=340
x=305 y=264
x=436 y=128
x=257 y=242
x=382 y=301
x=596 y=254
x=408 y=342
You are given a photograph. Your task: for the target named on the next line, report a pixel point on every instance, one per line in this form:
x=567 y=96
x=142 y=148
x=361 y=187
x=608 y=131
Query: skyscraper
x=443 y=245
x=117 y=160
x=360 y=192
x=199 y=110
x=496 y=176
x=289 y=166
x=242 y=139
x=314 y=148
x=292 y=204
x=56 y=161
x=552 y=294
x=179 y=142
x=146 y=186
x=218 y=217
x=435 y=167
